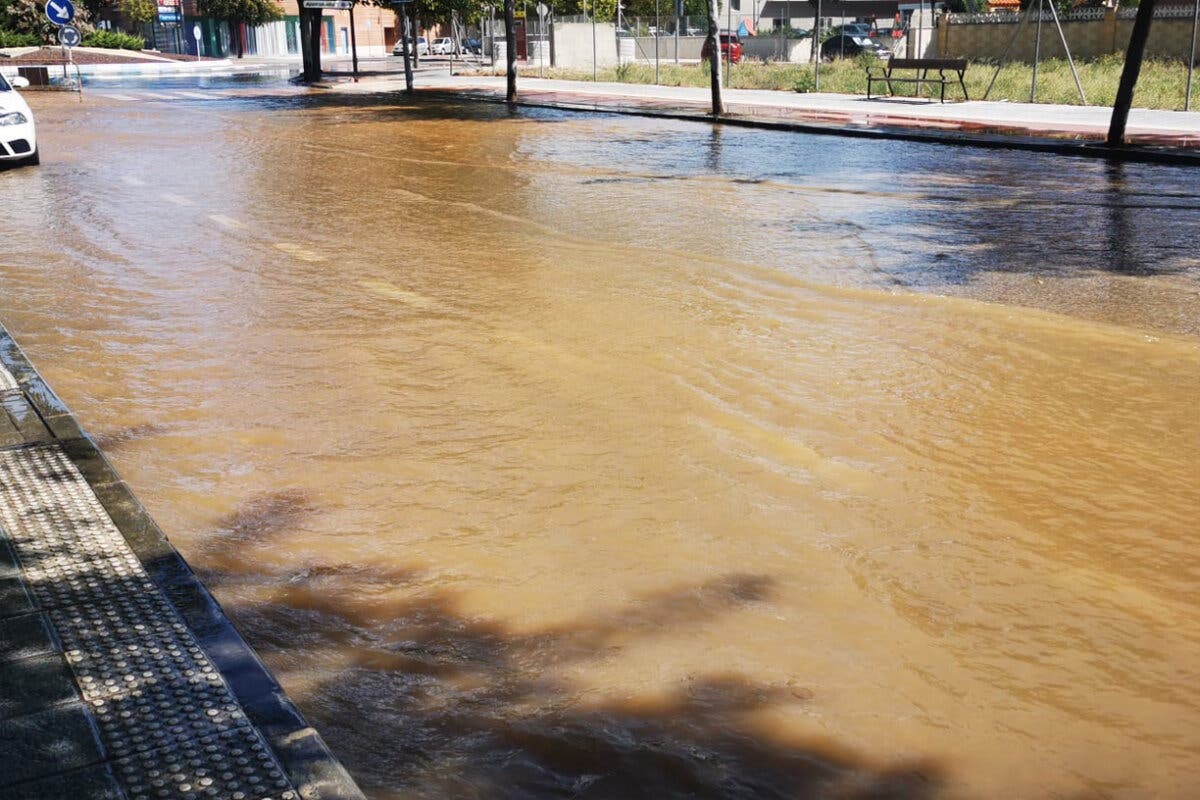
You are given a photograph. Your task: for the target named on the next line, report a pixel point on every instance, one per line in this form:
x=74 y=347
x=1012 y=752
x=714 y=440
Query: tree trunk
x=1129 y=73
x=510 y=40
x=305 y=46
x=310 y=43
x=316 y=45
x=241 y=38
x=714 y=60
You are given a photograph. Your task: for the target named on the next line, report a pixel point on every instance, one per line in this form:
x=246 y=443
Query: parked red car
x=730 y=46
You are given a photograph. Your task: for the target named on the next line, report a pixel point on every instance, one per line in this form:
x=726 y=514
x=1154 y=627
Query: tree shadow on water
x=420 y=699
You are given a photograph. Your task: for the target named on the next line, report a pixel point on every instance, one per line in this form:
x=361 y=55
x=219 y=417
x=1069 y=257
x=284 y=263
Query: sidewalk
x=975 y=121
x=120 y=676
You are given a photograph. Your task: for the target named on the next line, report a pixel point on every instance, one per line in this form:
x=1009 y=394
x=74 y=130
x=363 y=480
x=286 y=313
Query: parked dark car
x=847 y=46
x=863 y=29
x=473 y=46
x=731 y=46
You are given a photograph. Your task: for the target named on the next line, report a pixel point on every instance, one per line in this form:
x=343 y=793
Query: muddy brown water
x=550 y=455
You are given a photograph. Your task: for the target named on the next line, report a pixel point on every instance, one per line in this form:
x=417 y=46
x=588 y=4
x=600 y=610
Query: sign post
x=353 y=43
x=60 y=13
x=678 y=25
x=69 y=37
x=543 y=43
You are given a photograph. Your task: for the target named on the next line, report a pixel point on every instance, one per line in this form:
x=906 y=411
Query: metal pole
x=781 y=38
x=1037 y=54
x=594 y=78
x=1004 y=56
x=816 y=45
x=1187 y=97
x=920 y=26
x=728 y=40
x=657 y=24
x=353 y=44
x=1070 y=61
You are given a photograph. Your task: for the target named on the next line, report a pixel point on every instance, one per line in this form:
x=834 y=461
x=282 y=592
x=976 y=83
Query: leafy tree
x=240 y=12
x=666 y=9
x=137 y=12
x=28 y=17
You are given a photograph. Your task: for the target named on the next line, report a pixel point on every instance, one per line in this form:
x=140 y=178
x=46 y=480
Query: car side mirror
x=20 y=82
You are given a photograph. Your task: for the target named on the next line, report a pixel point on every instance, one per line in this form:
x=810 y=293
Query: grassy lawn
x=1161 y=84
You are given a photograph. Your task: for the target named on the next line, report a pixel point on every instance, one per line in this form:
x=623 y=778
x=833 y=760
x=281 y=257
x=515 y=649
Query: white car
x=444 y=46
x=422 y=47
x=18 y=140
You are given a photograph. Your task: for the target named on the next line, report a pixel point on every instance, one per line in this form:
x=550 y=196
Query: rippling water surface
x=556 y=455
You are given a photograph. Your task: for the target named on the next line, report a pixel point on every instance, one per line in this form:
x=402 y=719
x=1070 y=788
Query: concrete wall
x=689 y=48
x=573 y=45
x=1170 y=37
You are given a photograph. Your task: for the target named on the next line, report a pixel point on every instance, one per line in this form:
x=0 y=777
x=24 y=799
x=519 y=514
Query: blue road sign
x=70 y=36
x=60 y=12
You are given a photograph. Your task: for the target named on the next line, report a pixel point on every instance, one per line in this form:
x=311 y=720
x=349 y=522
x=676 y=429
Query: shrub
x=806 y=82
x=114 y=40
x=11 y=39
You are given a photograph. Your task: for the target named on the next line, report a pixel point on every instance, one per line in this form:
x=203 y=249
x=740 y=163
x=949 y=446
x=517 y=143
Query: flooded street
x=565 y=455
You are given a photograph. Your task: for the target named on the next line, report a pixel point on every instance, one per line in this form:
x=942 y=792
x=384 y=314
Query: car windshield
x=4 y=87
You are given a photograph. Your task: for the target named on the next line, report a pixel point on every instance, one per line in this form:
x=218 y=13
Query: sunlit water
x=552 y=455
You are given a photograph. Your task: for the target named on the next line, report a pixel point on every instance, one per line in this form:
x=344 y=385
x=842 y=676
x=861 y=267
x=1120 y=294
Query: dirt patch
x=86 y=55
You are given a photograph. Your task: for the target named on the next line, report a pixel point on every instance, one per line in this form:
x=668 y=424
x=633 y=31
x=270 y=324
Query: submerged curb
x=120 y=676
x=1140 y=153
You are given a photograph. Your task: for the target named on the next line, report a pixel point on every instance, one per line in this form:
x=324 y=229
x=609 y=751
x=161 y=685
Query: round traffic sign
x=60 y=12
x=196 y=32
x=70 y=36
x=542 y=9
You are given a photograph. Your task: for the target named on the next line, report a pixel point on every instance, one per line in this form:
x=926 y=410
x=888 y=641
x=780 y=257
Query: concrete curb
x=993 y=141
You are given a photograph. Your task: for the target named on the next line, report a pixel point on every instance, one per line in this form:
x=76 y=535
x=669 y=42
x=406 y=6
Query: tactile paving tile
x=160 y=714
x=60 y=581
x=7 y=382
x=235 y=765
x=164 y=711
x=117 y=619
x=105 y=670
x=70 y=551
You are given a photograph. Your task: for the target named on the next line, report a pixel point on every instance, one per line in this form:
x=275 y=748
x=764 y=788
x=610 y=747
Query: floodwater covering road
x=558 y=455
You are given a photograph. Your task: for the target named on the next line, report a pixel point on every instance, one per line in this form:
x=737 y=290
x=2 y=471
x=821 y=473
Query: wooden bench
x=922 y=66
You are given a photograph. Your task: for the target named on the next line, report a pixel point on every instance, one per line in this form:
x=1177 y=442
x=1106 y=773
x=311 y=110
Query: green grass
x=1161 y=84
